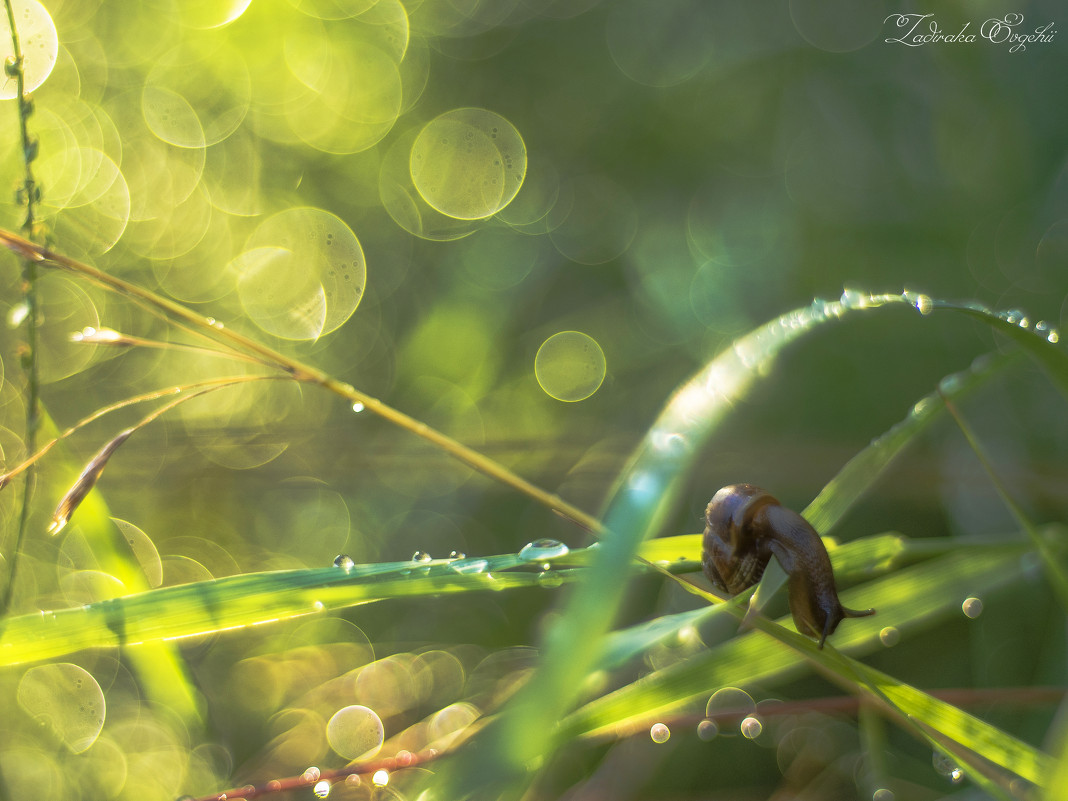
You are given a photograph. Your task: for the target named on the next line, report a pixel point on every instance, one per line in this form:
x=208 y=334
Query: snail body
x=745 y=527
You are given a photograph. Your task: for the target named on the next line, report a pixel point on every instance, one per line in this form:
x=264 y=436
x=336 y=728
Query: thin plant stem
x=125 y=402
x=1050 y=561
x=30 y=194
x=302 y=372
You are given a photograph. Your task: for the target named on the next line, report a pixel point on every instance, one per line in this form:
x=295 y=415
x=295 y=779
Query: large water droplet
x=457 y=555
x=540 y=550
x=890 y=636
x=381 y=778
x=344 y=561
x=707 y=730
x=421 y=556
x=358 y=407
x=310 y=775
x=322 y=789
x=972 y=607
x=660 y=733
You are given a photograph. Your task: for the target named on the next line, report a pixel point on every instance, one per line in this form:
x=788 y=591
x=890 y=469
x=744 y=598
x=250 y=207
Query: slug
x=746 y=526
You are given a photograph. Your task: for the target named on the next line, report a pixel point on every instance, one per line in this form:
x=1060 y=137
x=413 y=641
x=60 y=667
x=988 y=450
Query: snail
x=745 y=527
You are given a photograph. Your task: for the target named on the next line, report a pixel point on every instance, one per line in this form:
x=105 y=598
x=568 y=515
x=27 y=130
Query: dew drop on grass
x=972 y=607
x=707 y=730
x=358 y=407
x=882 y=794
x=322 y=789
x=404 y=758
x=457 y=555
x=946 y=767
x=890 y=636
x=542 y=549
x=421 y=556
x=660 y=733
x=310 y=775
x=380 y=778
x=344 y=561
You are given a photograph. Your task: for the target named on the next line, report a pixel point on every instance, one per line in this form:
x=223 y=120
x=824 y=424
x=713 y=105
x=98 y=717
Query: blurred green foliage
x=336 y=179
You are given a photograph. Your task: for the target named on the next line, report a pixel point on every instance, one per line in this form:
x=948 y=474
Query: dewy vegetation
x=132 y=672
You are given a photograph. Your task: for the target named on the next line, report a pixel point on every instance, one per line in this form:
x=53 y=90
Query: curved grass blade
x=641 y=501
x=205 y=607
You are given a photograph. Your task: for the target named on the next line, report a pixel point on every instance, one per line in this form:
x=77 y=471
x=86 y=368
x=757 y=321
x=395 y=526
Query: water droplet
x=381 y=778
x=322 y=789
x=358 y=407
x=353 y=780
x=1053 y=336
x=543 y=549
x=457 y=555
x=421 y=556
x=660 y=733
x=946 y=767
x=318 y=606
x=751 y=727
x=707 y=730
x=344 y=561
x=882 y=794
x=404 y=758
x=855 y=299
x=950 y=384
x=890 y=636
x=972 y=607
x=923 y=303
x=310 y=775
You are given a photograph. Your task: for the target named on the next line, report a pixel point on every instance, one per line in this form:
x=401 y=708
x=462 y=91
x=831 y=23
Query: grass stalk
x=30 y=194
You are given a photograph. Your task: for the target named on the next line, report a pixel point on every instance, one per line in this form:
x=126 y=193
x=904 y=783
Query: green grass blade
x=251 y=599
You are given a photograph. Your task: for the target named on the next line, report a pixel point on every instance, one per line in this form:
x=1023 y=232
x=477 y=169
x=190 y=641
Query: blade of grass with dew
x=911 y=599
x=644 y=495
x=250 y=599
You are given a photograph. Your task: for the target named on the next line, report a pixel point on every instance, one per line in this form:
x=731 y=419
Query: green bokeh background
x=694 y=169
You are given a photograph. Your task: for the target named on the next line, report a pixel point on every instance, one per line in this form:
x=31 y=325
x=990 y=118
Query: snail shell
x=745 y=527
